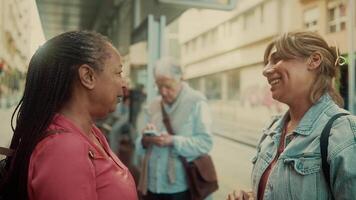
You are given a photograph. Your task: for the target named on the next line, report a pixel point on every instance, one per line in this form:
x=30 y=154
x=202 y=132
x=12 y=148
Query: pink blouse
x=68 y=166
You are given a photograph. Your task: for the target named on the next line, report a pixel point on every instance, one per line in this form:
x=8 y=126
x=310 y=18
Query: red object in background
x=125 y=91
x=2 y=64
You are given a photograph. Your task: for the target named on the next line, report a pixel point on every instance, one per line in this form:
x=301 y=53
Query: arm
x=200 y=142
x=343 y=176
x=61 y=170
x=341 y=157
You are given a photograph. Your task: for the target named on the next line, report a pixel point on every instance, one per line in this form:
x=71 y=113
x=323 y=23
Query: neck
x=296 y=113
x=79 y=115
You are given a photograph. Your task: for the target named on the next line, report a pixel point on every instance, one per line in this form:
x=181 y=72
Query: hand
x=161 y=141
x=148 y=140
x=164 y=140
x=240 y=195
x=149 y=127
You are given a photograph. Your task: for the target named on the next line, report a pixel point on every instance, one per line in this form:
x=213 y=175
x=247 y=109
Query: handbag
x=200 y=173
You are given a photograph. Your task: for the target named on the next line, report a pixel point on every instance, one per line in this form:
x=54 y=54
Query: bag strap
x=324 y=143
x=6 y=151
x=166 y=120
x=168 y=125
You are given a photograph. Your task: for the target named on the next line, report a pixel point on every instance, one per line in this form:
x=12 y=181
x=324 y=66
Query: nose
x=163 y=91
x=268 y=70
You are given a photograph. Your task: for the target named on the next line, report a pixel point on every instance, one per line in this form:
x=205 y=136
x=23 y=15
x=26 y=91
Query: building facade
x=15 y=44
x=222 y=55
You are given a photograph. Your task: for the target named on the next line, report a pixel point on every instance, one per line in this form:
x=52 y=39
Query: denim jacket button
x=300 y=166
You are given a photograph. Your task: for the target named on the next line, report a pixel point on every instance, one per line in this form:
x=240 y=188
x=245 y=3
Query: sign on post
x=210 y=4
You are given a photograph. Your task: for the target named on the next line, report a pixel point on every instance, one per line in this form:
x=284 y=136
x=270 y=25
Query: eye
x=119 y=73
x=275 y=59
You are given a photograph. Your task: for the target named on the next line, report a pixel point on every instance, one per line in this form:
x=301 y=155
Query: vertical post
x=155 y=51
x=137 y=13
x=351 y=35
x=153 y=54
x=162 y=36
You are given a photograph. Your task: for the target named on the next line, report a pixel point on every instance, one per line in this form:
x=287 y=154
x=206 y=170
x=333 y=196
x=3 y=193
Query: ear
x=314 y=61
x=86 y=76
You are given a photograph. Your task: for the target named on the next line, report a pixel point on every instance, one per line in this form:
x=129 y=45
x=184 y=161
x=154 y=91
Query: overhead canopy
x=123 y=21
x=64 y=15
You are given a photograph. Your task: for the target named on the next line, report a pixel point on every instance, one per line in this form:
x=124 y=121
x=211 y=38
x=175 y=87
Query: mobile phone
x=150 y=133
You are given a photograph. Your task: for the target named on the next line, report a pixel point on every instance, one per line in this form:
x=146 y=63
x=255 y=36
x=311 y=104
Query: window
x=262 y=13
x=249 y=19
x=194 y=44
x=213 y=86
x=336 y=16
x=195 y=83
x=310 y=19
x=233 y=84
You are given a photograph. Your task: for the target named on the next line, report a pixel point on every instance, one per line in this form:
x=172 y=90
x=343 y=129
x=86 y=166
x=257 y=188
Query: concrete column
x=155 y=51
x=351 y=38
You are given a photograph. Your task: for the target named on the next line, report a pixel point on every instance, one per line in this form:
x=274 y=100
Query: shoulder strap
x=166 y=120
x=324 y=143
x=6 y=151
x=167 y=124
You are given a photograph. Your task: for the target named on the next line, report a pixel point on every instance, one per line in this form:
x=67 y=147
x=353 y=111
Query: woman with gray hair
x=163 y=176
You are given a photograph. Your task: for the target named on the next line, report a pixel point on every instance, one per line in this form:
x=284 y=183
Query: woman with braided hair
x=72 y=80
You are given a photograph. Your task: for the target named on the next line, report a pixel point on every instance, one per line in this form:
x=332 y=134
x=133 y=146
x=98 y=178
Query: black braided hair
x=49 y=82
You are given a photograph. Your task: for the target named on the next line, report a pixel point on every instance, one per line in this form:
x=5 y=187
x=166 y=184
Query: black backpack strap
x=324 y=143
x=6 y=151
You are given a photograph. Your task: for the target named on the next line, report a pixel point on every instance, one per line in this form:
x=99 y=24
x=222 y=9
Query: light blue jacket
x=191 y=121
x=297 y=173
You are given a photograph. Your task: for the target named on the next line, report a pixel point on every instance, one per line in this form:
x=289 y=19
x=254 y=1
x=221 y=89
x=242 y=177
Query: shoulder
x=154 y=105
x=342 y=134
x=273 y=122
x=65 y=144
x=194 y=95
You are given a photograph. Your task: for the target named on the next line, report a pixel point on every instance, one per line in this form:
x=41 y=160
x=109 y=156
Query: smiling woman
x=72 y=80
x=301 y=69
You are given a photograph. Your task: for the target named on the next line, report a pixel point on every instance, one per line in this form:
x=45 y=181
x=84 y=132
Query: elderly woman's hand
x=148 y=139
x=165 y=140
x=240 y=195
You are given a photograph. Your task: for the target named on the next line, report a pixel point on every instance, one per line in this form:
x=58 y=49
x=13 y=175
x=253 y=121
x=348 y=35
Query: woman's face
x=290 y=80
x=109 y=86
x=168 y=88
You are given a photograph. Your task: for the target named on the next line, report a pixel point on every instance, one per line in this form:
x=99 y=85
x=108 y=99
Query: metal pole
x=351 y=34
x=162 y=36
x=137 y=13
x=156 y=35
x=153 y=54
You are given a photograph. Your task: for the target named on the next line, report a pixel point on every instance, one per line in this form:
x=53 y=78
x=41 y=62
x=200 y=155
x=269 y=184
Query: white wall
x=237 y=40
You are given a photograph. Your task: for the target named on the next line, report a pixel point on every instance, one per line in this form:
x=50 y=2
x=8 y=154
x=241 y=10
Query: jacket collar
x=309 y=119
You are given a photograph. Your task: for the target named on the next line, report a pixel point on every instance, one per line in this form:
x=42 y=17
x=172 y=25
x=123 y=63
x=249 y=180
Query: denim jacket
x=297 y=174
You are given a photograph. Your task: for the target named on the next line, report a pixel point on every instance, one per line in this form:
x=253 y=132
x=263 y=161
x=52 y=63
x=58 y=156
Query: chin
x=112 y=109
x=276 y=97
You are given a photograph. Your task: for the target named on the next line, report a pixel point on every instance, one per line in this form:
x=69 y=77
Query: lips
x=274 y=81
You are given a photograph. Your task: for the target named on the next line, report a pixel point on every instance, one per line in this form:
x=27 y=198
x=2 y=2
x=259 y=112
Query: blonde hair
x=302 y=45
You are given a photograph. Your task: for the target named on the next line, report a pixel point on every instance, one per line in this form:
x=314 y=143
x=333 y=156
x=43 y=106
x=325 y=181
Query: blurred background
x=219 y=43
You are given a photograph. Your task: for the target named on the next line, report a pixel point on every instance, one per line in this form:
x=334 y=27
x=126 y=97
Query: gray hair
x=169 y=67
